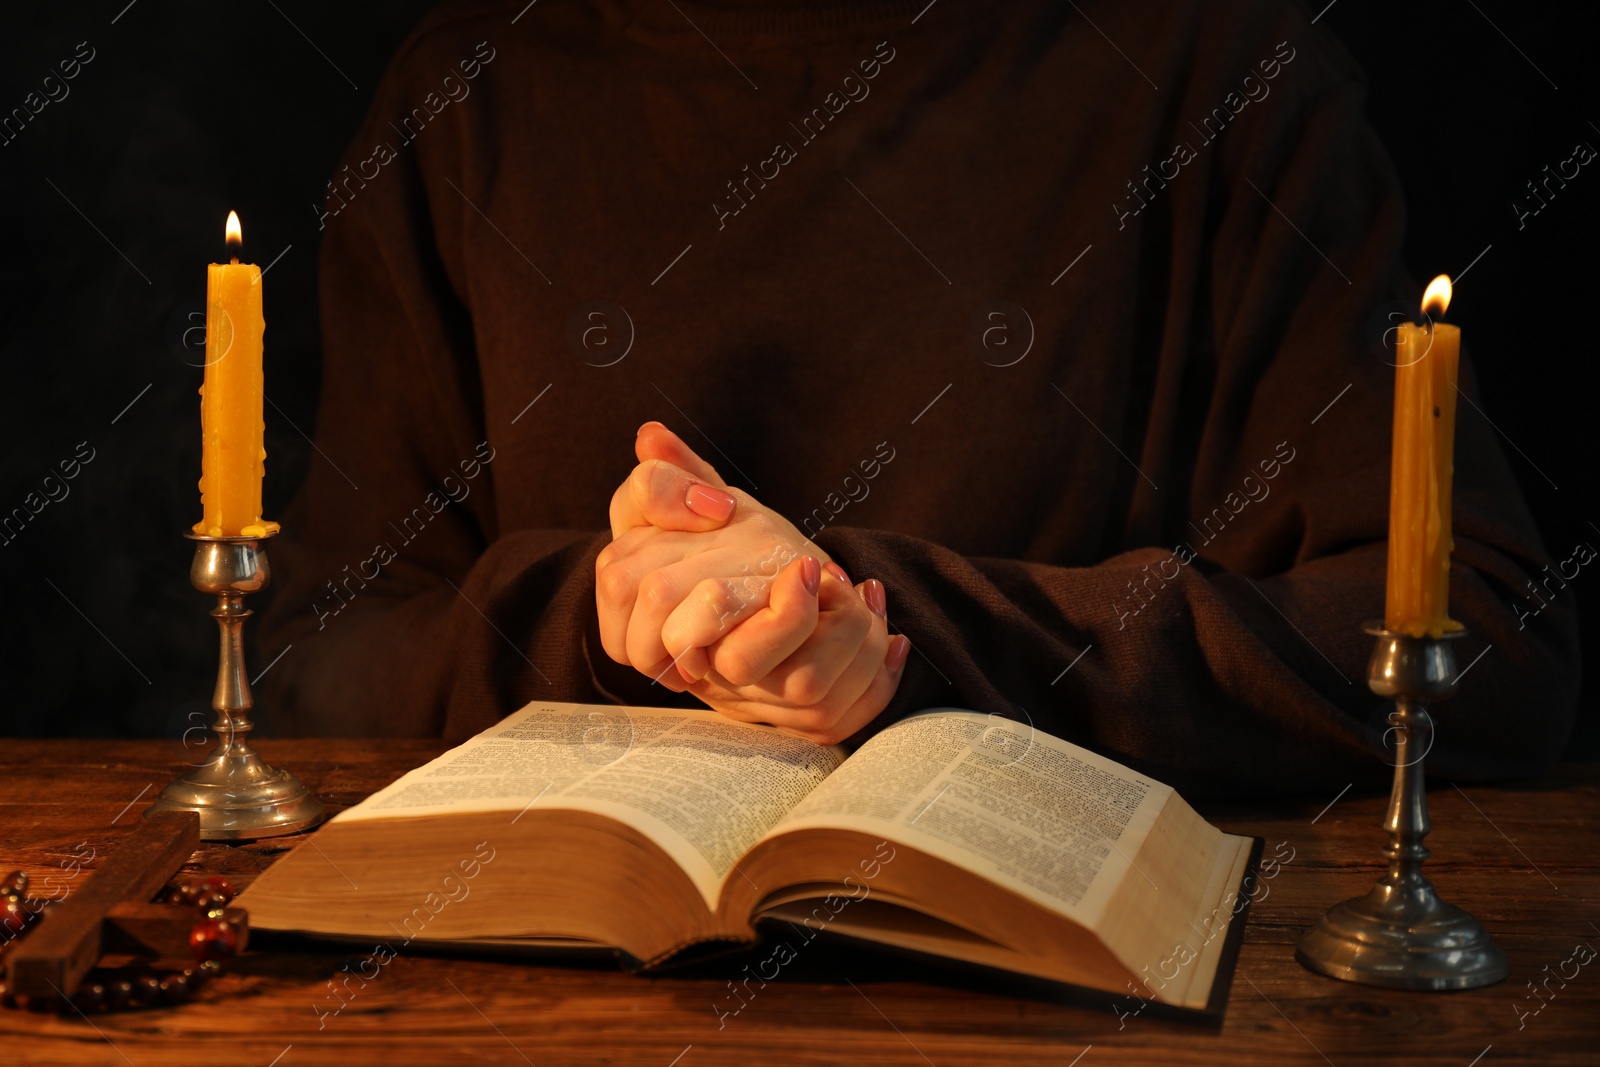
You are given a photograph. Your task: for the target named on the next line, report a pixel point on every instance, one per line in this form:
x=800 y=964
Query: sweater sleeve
x=1227 y=657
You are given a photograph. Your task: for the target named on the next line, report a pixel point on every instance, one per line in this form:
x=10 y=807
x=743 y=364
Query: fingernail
x=872 y=592
x=838 y=572
x=811 y=574
x=709 y=503
x=642 y=427
x=899 y=649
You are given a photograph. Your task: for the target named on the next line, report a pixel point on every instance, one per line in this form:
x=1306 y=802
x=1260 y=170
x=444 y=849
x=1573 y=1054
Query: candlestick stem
x=237 y=795
x=231 y=700
x=1407 y=819
x=1401 y=934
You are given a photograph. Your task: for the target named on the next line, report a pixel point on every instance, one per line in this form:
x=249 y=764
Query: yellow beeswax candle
x=1428 y=357
x=231 y=427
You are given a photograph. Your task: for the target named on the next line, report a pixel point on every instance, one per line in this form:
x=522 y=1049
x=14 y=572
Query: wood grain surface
x=1525 y=859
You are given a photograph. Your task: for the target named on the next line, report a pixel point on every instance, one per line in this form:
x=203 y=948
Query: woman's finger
x=615 y=587
x=637 y=539
x=823 y=726
x=660 y=494
x=659 y=594
x=804 y=677
x=801 y=677
x=712 y=608
x=655 y=441
x=768 y=633
x=665 y=674
x=619 y=568
x=870 y=704
x=669 y=586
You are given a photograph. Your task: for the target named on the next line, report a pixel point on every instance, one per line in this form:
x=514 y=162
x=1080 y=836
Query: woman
x=1061 y=326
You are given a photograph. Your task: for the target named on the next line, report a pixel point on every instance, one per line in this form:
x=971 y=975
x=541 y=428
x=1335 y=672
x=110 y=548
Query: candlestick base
x=240 y=798
x=1401 y=934
x=1403 y=938
x=236 y=794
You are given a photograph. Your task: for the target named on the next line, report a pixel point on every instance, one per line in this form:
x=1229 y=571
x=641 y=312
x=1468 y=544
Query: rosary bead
x=14 y=884
x=210 y=900
x=189 y=892
x=13 y=917
x=6 y=999
x=90 y=998
x=218 y=884
x=176 y=988
x=146 y=990
x=212 y=939
x=118 y=994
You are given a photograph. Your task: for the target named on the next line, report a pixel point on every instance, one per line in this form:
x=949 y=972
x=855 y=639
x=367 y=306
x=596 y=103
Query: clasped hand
x=705 y=589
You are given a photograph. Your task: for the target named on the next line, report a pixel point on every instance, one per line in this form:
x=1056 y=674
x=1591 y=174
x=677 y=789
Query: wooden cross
x=111 y=912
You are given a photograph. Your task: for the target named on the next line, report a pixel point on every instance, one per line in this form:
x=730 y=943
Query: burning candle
x=1427 y=360
x=231 y=427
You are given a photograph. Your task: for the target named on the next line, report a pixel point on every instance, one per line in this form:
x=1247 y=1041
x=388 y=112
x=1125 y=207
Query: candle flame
x=235 y=231
x=1436 y=300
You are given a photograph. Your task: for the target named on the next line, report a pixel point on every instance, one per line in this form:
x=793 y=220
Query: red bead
x=189 y=892
x=13 y=917
x=213 y=939
x=218 y=884
x=210 y=902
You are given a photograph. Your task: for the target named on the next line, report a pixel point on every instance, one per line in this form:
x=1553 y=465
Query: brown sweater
x=1072 y=343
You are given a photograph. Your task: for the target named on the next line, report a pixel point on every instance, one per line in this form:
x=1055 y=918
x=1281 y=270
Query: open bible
x=652 y=831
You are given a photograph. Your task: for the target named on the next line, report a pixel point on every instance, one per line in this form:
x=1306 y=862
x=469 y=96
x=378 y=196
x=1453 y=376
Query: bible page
x=700 y=785
x=1046 y=819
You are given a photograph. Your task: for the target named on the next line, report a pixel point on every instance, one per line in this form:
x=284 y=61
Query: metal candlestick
x=1401 y=934
x=237 y=796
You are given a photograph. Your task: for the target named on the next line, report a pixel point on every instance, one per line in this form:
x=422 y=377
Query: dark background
x=189 y=109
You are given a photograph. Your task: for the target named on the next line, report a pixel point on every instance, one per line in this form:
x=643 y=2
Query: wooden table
x=1525 y=859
